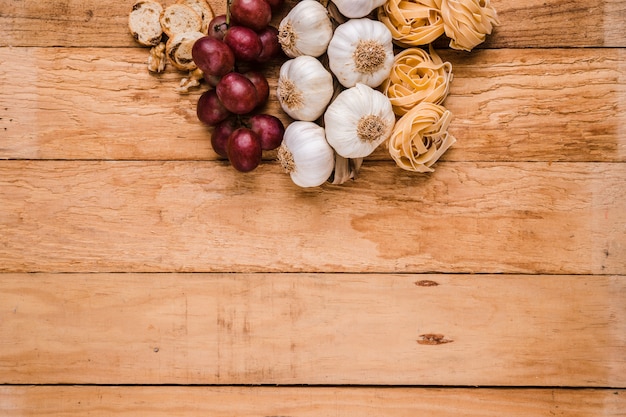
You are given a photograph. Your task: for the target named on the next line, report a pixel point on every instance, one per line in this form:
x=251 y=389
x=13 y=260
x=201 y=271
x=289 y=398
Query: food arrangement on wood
x=365 y=80
x=143 y=275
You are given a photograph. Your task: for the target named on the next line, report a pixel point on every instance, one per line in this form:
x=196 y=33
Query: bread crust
x=144 y=22
x=179 y=18
x=178 y=50
x=203 y=9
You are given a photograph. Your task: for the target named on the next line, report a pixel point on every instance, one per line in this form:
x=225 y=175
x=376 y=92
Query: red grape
x=269 y=129
x=255 y=14
x=260 y=84
x=212 y=80
x=237 y=93
x=218 y=27
x=210 y=109
x=275 y=4
x=220 y=134
x=244 y=149
x=212 y=56
x=244 y=42
x=271 y=45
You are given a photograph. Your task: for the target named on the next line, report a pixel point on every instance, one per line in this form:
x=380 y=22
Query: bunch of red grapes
x=231 y=57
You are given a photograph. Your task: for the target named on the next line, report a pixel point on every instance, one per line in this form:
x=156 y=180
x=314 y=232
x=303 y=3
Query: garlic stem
x=345 y=169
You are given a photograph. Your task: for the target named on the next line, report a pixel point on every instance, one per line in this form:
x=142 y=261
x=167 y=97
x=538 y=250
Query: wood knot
x=433 y=339
x=426 y=283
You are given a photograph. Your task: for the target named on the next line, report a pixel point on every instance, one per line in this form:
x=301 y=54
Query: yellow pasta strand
x=417 y=76
x=412 y=22
x=468 y=22
x=420 y=137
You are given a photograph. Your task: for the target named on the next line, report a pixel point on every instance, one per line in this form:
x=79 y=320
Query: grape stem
x=228 y=2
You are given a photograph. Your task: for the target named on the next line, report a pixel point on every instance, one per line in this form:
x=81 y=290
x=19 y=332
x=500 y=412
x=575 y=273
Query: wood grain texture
x=532 y=23
x=73 y=216
x=508 y=105
x=140 y=267
x=313 y=329
x=27 y=401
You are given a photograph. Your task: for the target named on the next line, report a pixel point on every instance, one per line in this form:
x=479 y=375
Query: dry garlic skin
x=358 y=120
x=361 y=51
x=304 y=88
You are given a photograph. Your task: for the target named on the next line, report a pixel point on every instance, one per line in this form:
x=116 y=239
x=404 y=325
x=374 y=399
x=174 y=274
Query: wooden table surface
x=141 y=275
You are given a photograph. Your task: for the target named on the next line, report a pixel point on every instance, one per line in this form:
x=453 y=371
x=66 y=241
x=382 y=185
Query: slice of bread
x=179 y=18
x=144 y=22
x=203 y=9
x=178 y=50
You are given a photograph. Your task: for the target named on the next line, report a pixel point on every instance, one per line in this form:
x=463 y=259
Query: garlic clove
x=358 y=121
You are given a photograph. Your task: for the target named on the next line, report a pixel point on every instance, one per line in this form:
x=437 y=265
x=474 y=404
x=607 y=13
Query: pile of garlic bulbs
x=334 y=124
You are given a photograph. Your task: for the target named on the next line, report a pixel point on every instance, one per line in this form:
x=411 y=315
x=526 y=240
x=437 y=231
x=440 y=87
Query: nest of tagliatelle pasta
x=419 y=81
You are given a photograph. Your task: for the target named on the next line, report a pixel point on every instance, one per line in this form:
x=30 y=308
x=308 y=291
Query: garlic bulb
x=361 y=51
x=306 y=30
x=304 y=88
x=305 y=155
x=358 y=120
x=357 y=8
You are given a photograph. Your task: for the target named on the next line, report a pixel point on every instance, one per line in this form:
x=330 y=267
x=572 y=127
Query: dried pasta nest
x=420 y=22
x=412 y=23
x=468 y=22
x=417 y=76
x=420 y=137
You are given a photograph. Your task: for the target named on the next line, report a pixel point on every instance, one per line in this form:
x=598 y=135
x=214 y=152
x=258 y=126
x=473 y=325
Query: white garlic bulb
x=304 y=88
x=306 y=155
x=357 y=8
x=361 y=51
x=358 y=120
x=305 y=30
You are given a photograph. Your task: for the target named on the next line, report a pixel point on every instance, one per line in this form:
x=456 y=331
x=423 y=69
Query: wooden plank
x=372 y=329
x=538 y=105
x=25 y=401
x=77 y=216
x=508 y=105
x=533 y=23
x=539 y=24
